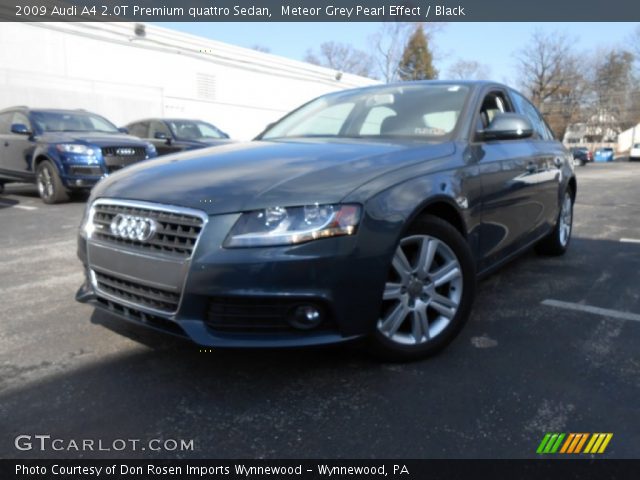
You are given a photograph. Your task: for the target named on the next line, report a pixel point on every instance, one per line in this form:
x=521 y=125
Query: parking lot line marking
x=23 y=207
x=630 y=240
x=605 y=312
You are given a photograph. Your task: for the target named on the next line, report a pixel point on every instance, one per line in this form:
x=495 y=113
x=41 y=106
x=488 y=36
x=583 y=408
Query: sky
x=492 y=44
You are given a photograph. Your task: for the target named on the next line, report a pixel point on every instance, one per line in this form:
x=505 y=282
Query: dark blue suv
x=63 y=150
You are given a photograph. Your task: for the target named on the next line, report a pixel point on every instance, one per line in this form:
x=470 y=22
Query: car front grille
x=176 y=234
x=137 y=293
x=149 y=274
x=116 y=158
x=138 y=316
x=262 y=314
x=85 y=171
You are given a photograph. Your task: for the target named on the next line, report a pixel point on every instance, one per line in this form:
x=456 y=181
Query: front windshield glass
x=191 y=130
x=428 y=112
x=72 y=122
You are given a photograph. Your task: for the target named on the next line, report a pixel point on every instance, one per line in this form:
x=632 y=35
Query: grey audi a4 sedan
x=366 y=213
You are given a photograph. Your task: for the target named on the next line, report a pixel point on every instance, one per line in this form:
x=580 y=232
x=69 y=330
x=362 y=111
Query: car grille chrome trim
x=176 y=234
x=136 y=294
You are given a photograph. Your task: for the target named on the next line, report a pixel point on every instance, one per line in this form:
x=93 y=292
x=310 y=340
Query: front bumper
x=343 y=276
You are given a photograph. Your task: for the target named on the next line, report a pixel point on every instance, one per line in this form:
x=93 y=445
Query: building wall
x=108 y=69
x=627 y=138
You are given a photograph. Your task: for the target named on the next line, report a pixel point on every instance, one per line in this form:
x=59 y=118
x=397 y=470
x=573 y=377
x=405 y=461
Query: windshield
x=428 y=112
x=193 y=130
x=72 y=122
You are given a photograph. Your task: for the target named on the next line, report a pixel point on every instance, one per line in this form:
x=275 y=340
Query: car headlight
x=75 y=148
x=86 y=226
x=286 y=226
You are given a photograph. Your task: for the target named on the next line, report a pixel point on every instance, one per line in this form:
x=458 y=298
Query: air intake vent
x=206 y=86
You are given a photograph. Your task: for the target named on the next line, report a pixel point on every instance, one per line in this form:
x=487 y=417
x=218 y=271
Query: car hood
x=93 y=138
x=247 y=176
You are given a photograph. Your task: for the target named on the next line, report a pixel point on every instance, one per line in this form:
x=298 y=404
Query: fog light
x=305 y=317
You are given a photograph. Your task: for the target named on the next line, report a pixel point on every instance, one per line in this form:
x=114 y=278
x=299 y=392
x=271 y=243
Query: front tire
x=557 y=242
x=429 y=292
x=50 y=186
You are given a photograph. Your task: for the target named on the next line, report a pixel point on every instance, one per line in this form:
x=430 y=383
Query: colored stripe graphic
x=592 y=441
x=574 y=443
x=567 y=443
x=605 y=443
x=543 y=443
x=581 y=442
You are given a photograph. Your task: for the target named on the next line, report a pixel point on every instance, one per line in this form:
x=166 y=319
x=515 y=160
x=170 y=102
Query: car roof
x=472 y=84
x=24 y=108
x=161 y=119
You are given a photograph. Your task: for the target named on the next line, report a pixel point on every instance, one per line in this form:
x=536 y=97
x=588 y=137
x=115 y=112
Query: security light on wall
x=140 y=30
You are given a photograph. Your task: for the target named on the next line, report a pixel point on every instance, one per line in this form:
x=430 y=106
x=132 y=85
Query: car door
x=550 y=158
x=163 y=145
x=17 y=149
x=507 y=172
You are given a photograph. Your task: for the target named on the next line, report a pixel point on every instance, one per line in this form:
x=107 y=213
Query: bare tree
x=390 y=41
x=551 y=76
x=542 y=65
x=343 y=58
x=469 y=70
x=615 y=90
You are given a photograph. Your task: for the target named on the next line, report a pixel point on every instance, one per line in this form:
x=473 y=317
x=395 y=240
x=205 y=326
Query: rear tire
x=557 y=242
x=429 y=292
x=50 y=186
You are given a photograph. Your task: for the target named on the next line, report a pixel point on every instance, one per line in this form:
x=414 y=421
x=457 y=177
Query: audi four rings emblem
x=131 y=227
x=125 y=151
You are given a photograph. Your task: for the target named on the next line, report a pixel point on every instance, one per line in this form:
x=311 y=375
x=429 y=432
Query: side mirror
x=20 y=129
x=123 y=130
x=160 y=135
x=507 y=126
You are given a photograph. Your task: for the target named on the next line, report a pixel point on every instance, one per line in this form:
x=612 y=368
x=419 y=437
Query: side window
x=539 y=125
x=158 y=127
x=493 y=103
x=5 y=122
x=21 y=118
x=139 y=130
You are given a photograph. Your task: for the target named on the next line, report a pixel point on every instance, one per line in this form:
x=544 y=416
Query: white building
x=127 y=71
x=627 y=138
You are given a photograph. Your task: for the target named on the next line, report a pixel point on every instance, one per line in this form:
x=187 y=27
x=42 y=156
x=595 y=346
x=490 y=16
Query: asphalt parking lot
x=520 y=368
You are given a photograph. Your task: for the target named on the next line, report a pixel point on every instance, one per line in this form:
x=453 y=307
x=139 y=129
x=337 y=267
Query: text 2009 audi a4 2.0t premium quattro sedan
x=366 y=213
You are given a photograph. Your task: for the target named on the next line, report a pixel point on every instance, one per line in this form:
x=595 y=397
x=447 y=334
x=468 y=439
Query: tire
x=50 y=186
x=557 y=242
x=429 y=292
x=1 y=188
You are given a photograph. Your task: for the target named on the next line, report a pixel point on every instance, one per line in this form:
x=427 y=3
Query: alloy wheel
x=45 y=183
x=423 y=291
x=566 y=219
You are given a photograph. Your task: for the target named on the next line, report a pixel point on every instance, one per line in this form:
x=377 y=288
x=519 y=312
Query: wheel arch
x=444 y=208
